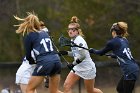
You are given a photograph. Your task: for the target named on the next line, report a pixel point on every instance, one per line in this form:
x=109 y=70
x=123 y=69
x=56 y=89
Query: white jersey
x=87 y=63
x=25 y=71
x=45 y=29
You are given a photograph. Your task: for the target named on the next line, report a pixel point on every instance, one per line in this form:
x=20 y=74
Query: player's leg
x=54 y=78
x=46 y=80
x=120 y=87
x=23 y=87
x=129 y=82
x=70 y=81
x=54 y=83
x=129 y=86
x=89 y=85
x=34 y=82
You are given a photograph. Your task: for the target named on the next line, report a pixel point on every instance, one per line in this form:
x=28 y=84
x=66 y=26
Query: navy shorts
x=47 y=69
x=132 y=76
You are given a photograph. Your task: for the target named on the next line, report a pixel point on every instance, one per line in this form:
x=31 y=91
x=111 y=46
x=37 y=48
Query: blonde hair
x=74 y=21
x=42 y=25
x=123 y=26
x=30 y=23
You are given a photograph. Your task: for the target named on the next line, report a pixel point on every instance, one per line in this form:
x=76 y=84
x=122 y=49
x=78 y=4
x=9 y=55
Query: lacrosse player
x=82 y=66
x=119 y=45
x=47 y=61
x=24 y=72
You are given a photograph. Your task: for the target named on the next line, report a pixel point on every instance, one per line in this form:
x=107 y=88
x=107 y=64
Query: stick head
x=63 y=41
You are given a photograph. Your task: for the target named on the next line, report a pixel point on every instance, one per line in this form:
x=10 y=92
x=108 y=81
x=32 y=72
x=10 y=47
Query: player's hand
x=91 y=50
x=78 y=61
x=70 y=66
x=63 y=53
x=32 y=61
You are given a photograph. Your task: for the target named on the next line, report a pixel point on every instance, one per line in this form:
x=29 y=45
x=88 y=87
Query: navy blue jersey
x=120 y=47
x=42 y=47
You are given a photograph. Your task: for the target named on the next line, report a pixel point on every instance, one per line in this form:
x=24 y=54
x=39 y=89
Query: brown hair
x=75 y=21
x=123 y=26
x=30 y=23
x=120 y=28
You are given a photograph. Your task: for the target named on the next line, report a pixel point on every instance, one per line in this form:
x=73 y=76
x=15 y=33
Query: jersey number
x=47 y=44
x=128 y=53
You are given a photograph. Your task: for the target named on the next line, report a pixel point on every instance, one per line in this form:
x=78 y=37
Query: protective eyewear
x=73 y=29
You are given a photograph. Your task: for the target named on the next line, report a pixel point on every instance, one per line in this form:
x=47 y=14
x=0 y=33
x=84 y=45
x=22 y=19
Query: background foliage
x=96 y=18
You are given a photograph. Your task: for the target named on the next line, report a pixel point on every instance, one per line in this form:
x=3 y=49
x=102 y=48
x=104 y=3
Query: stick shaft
x=58 y=50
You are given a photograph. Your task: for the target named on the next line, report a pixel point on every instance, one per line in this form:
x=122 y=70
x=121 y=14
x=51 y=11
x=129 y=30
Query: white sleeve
x=81 y=55
x=80 y=42
x=70 y=53
x=45 y=29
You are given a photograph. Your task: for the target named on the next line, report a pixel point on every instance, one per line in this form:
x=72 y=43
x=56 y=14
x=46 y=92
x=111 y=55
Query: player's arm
x=80 y=57
x=28 y=48
x=103 y=51
x=82 y=52
x=69 y=53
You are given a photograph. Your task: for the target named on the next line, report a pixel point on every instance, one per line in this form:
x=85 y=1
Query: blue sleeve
x=28 y=47
x=107 y=48
x=111 y=55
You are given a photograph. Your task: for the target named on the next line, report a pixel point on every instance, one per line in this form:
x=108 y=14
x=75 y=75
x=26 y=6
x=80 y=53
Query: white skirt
x=87 y=74
x=24 y=73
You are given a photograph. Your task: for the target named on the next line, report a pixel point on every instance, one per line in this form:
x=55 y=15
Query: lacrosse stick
x=57 y=49
x=63 y=41
x=60 y=54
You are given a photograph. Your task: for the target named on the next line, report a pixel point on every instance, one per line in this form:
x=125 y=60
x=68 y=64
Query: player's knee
x=97 y=90
x=28 y=89
x=90 y=91
x=58 y=91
